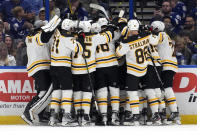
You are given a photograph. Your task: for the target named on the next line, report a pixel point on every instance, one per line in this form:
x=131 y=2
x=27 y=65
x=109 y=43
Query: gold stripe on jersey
x=141 y=39
x=38 y=40
x=124 y=31
x=107 y=59
x=61 y=59
x=173 y=62
x=108 y=36
x=78 y=67
x=117 y=49
x=136 y=70
x=160 y=38
x=169 y=63
x=37 y=64
x=105 y=62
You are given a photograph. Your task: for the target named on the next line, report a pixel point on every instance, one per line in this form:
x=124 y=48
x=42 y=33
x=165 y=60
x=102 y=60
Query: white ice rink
x=99 y=128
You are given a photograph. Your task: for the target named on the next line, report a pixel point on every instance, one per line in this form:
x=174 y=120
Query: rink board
x=16 y=89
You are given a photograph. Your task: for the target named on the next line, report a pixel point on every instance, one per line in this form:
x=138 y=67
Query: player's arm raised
x=122 y=49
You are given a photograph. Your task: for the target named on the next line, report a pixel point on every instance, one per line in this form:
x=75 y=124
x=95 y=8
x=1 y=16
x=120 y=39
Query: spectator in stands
x=53 y=9
x=21 y=54
x=166 y=10
x=5 y=58
x=1 y=37
x=41 y=15
x=168 y=26
x=193 y=12
x=7 y=6
x=10 y=45
x=186 y=35
x=36 y=5
x=179 y=8
x=19 y=27
x=183 y=54
x=76 y=11
x=61 y=4
x=190 y=26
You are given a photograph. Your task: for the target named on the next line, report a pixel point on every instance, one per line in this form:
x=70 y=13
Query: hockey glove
x=51 y=26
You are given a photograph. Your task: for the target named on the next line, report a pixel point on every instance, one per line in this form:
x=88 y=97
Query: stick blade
x=121 y=14
x=98 y=7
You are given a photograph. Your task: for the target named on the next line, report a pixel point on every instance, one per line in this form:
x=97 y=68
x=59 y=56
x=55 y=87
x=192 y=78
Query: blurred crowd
x=180 y=19
x=19 y=17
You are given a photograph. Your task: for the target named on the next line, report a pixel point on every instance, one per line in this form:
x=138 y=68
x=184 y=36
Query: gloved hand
x=81 y=38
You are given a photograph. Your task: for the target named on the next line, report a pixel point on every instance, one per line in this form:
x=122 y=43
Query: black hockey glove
x=81 y=38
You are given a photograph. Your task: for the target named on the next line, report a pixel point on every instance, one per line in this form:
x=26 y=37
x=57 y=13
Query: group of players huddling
x=115 y=72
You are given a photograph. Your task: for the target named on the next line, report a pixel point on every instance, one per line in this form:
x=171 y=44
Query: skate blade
x=52 y=123
x=158 y=123
x=136 y=123
x=115 y=123
x=128 y=124
x=149 y=123
x=26 y=120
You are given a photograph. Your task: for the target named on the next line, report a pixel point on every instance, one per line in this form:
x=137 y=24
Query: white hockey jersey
x=166 y=52
x=136 y=55
x=91 y=42
x=105 y=53
x=62 y=49
x=135 y=58
x=155 y=56
x=38 y=54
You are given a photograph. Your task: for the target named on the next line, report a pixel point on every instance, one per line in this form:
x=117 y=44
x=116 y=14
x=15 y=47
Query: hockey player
x=107 y=76
x=63 y=47
x=165 y=49
x=83 y=75
x=135 y=47
x=38 y=52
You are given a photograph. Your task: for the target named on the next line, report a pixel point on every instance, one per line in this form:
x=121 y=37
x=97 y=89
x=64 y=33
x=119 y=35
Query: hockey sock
x=115 y=98
x=66 y=102
x=171 y=99
x=145 y=99
x=77 y=100
x=86 y=101
x=162 y=104
x=55 y=100
x=142 y=100
x=123 y=99
x=102 y=99
x=134 y=101
x=152 y=100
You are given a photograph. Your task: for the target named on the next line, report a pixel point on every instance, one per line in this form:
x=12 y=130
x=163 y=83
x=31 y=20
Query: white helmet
x=158 y=25
x=67 y=24
x=40 y=23
x=85 y=25
x=102 y=21
x=96 y=28
x=133 y=24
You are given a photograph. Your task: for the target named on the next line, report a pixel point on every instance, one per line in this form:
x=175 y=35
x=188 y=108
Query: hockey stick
x=89 y=76
x=121 y=14
x=101 y=8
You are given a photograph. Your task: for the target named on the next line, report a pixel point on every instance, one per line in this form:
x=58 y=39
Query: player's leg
x=77 y=96
x=65 y=79
x=114 y=88
x=86 y=98
x=55 y=97
x=160 y=95
x=124 y=99
x=102 y=93
x=132 y=83
x=153 y=101
x=40 y=101
x=167 y=77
